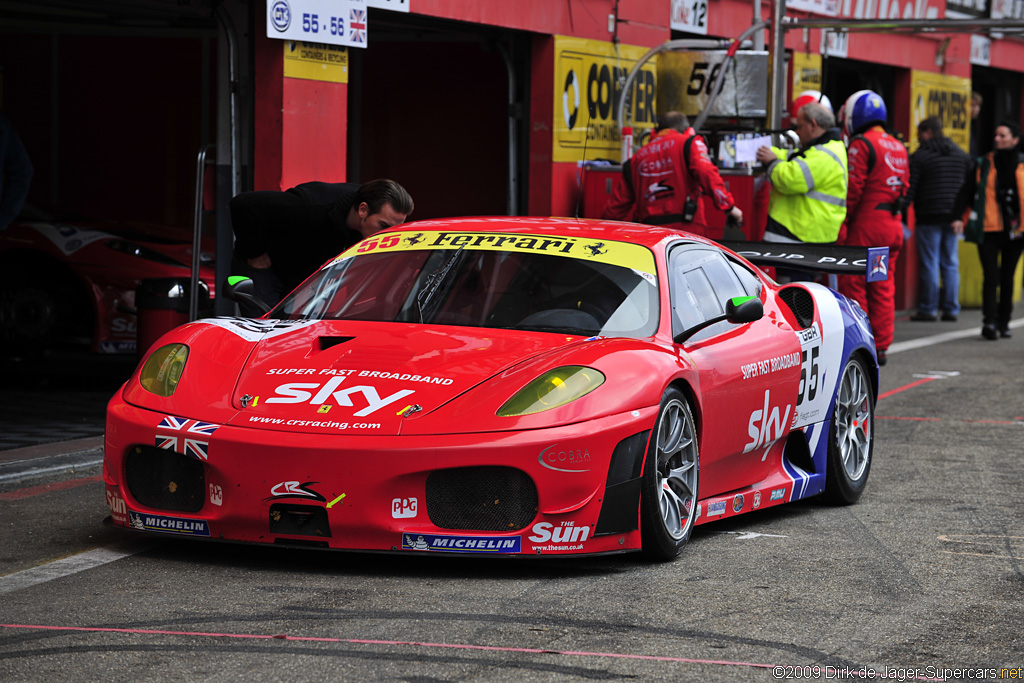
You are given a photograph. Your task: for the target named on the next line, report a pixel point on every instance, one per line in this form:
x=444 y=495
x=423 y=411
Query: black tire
x=668 y=501
x=851 y=436
x=37 y=314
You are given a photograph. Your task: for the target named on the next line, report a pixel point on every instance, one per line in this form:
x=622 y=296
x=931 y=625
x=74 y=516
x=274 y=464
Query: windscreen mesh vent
x=481 y=498
x=801 y=303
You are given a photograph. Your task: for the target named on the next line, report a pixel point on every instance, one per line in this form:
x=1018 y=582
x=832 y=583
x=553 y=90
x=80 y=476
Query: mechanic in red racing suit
x=662 y=183
x=879 y=178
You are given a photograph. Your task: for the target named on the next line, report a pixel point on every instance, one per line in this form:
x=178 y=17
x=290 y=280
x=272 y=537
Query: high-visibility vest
x=808 y=194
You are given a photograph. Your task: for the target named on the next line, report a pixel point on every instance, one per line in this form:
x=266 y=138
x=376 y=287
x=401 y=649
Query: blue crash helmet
x=863 y=108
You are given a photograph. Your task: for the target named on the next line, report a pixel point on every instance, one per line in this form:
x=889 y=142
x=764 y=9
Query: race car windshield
x=481 y=288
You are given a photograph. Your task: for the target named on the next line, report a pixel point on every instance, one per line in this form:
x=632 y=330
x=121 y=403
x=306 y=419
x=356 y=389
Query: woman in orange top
x=997 y=190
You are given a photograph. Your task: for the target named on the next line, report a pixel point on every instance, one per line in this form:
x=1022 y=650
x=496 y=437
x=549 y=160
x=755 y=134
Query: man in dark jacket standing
x=937 y=171
x=281 y=238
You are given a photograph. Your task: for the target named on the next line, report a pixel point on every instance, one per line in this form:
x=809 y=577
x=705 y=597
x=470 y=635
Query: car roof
x=635 y=233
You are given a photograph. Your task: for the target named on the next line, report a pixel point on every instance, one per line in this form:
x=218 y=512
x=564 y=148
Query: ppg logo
x=281 y=15
x=403 y=507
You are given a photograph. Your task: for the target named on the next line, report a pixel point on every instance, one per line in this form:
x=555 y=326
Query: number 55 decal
x=808 y=374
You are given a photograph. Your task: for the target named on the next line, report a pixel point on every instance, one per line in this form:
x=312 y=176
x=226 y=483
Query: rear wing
x=870 y=262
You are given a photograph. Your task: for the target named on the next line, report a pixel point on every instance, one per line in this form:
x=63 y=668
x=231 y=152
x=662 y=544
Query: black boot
x=989 y=331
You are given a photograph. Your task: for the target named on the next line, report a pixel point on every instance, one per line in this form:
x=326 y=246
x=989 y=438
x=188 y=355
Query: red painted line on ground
x=904 y=388
x=454 y=646
x=47 y=488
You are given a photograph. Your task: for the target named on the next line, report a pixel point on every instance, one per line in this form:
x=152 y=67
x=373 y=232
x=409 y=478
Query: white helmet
x=806 y=97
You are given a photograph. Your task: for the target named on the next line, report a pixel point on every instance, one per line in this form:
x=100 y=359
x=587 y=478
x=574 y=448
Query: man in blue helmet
x=879 y=178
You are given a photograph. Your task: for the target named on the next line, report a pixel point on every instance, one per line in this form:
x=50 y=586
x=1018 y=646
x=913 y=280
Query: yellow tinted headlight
x=163 y=368
x=552 y=389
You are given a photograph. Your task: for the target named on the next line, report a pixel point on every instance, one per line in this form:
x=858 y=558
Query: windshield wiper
x=561 y=329
x=433 y=283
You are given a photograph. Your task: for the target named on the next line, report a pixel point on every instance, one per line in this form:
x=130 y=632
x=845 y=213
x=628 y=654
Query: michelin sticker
x=462 y=544
x=168 y=525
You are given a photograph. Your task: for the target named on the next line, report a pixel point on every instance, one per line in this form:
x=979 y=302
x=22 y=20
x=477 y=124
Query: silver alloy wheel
x=677 y=468
x=854 y=421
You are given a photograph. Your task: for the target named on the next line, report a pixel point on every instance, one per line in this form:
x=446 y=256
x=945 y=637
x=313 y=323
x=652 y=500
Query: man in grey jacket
x=937 y=170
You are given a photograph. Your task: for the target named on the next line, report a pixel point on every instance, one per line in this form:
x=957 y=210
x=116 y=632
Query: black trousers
x=999 y=256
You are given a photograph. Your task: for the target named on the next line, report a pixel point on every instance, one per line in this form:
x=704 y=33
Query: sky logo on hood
x=296 y=392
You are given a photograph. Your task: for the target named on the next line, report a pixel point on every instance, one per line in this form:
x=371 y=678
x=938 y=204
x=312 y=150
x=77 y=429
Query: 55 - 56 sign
x=335 y=22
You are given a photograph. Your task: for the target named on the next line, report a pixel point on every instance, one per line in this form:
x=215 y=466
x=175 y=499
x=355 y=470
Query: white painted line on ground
x=944 y=337
x=67 y=566
x=35 y=471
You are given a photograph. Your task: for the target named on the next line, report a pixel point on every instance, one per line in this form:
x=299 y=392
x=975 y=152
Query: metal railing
x=206 y=156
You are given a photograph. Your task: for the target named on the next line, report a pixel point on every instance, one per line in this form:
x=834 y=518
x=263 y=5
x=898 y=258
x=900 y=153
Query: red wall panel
x=268 y=96
x=314 y=131
x=641 y=22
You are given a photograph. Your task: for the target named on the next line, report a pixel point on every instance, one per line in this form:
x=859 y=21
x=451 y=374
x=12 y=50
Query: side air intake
x=801 y=303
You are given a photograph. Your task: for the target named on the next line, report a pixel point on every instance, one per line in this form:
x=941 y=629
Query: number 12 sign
x=335 y=22
x=690 y=16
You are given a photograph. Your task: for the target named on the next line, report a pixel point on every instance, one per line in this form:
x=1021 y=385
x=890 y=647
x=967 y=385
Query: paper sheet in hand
x=746 y=150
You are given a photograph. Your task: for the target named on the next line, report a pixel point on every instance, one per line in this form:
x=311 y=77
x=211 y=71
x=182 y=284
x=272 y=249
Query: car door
x=748 y=372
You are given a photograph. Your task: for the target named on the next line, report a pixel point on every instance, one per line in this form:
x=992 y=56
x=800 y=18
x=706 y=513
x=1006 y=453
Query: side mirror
x=744 y=309
x=738 y=310
x=242 y=290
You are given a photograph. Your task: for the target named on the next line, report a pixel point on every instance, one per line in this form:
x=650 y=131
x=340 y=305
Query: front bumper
x=564 y=490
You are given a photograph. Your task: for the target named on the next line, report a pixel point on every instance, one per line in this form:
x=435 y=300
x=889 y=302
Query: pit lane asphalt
x=927 y=570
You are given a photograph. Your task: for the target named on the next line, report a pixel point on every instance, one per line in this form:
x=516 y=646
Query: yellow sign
x=588 y=79
x=949 y=98
x=621 y=254
x=315 y=61
x=806 y=73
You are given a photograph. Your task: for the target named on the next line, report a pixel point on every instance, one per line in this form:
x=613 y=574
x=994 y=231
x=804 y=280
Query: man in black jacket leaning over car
x=937 y=170
x=281 y=238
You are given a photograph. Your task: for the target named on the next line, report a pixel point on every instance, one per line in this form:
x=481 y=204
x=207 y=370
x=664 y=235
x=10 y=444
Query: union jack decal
x=173 y=434
x=357 y=26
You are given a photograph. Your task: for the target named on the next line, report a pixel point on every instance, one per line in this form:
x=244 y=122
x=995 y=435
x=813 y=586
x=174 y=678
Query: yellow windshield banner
x=615 y=253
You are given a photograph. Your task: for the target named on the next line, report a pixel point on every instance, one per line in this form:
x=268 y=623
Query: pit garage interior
x=114 y=100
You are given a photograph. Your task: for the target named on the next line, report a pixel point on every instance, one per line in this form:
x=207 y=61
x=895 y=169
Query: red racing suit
x=660 y=177
x=879 y=178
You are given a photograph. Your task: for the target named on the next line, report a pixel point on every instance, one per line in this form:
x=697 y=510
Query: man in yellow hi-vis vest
x=808 y=194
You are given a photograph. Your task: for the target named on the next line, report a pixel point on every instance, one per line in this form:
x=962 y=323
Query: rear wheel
x=669 y=499
x=851 y=437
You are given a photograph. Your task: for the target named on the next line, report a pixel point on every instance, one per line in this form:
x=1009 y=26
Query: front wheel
x=669 y=499
x=851 y=437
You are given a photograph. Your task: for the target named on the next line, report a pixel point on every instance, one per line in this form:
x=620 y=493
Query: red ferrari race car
x=72 y=283
x=503 y=386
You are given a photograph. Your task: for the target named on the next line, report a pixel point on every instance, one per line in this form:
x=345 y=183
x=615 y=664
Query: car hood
x=70 y=239
x=357 y=377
